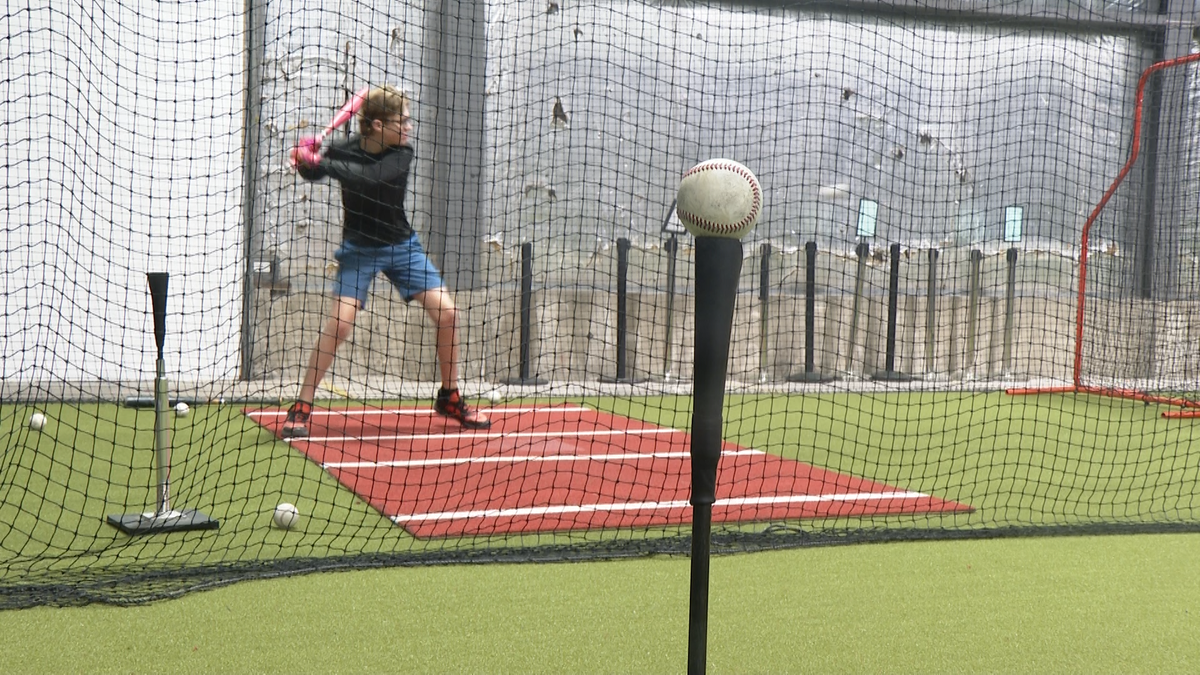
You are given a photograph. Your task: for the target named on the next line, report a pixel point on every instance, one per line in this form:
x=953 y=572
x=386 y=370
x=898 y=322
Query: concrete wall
x=991 y=320
x=573 y=338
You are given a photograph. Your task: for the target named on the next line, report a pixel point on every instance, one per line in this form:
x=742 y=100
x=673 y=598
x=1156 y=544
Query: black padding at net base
x=137 y=588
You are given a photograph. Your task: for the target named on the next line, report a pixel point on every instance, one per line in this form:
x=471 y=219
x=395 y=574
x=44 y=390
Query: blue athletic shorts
x=404 y=264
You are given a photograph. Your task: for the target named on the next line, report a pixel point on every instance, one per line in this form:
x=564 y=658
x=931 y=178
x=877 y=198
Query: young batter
x=372 y=168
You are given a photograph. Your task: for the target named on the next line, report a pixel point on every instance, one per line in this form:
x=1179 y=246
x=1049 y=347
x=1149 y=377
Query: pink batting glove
x=305 y=155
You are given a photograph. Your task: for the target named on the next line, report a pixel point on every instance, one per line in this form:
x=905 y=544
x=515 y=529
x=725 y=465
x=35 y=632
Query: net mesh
x=926 y=178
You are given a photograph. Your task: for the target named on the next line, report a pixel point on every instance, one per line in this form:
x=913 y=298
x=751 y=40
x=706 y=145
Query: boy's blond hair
x=382 y=103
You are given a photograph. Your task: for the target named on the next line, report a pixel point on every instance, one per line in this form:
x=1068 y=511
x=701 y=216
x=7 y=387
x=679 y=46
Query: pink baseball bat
x=347 y=111
x=308 y=149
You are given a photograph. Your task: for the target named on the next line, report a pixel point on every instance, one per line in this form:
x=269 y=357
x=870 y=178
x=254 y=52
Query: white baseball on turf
x=37 y=421
x=719 y=198
x=286 y=516
x=494 y=396
x=182 y=409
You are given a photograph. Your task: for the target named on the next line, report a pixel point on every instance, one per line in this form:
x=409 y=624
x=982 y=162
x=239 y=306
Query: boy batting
x=372 y=168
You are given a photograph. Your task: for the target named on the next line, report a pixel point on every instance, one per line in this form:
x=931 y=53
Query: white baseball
x=719 y=198
x=37 y=421
x=286 y=516
x=494 y=396
x=182 y=409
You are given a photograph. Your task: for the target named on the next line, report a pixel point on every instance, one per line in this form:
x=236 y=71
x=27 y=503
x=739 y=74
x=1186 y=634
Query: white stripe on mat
x=652 y=506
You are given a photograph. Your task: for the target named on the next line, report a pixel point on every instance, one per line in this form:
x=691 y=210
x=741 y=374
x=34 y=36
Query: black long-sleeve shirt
x=373 y=190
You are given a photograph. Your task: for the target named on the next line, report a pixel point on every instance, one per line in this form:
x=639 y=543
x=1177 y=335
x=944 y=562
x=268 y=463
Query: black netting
x=927 y=178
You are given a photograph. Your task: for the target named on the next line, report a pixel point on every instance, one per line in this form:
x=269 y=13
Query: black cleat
x=296 y=424
x=450 y=404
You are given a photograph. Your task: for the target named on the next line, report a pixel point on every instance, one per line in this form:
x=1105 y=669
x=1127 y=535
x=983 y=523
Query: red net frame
x=1189 y=407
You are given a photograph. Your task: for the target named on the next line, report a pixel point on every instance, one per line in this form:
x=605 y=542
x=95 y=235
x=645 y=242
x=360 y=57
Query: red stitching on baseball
x=756 y=202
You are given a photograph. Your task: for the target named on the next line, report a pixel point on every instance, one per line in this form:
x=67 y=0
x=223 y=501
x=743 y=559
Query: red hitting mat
x=557 y=468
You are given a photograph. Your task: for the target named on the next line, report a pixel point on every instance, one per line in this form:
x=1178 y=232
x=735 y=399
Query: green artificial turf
x=1017 y=461
x=1112 y=604
x=1120 y=603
